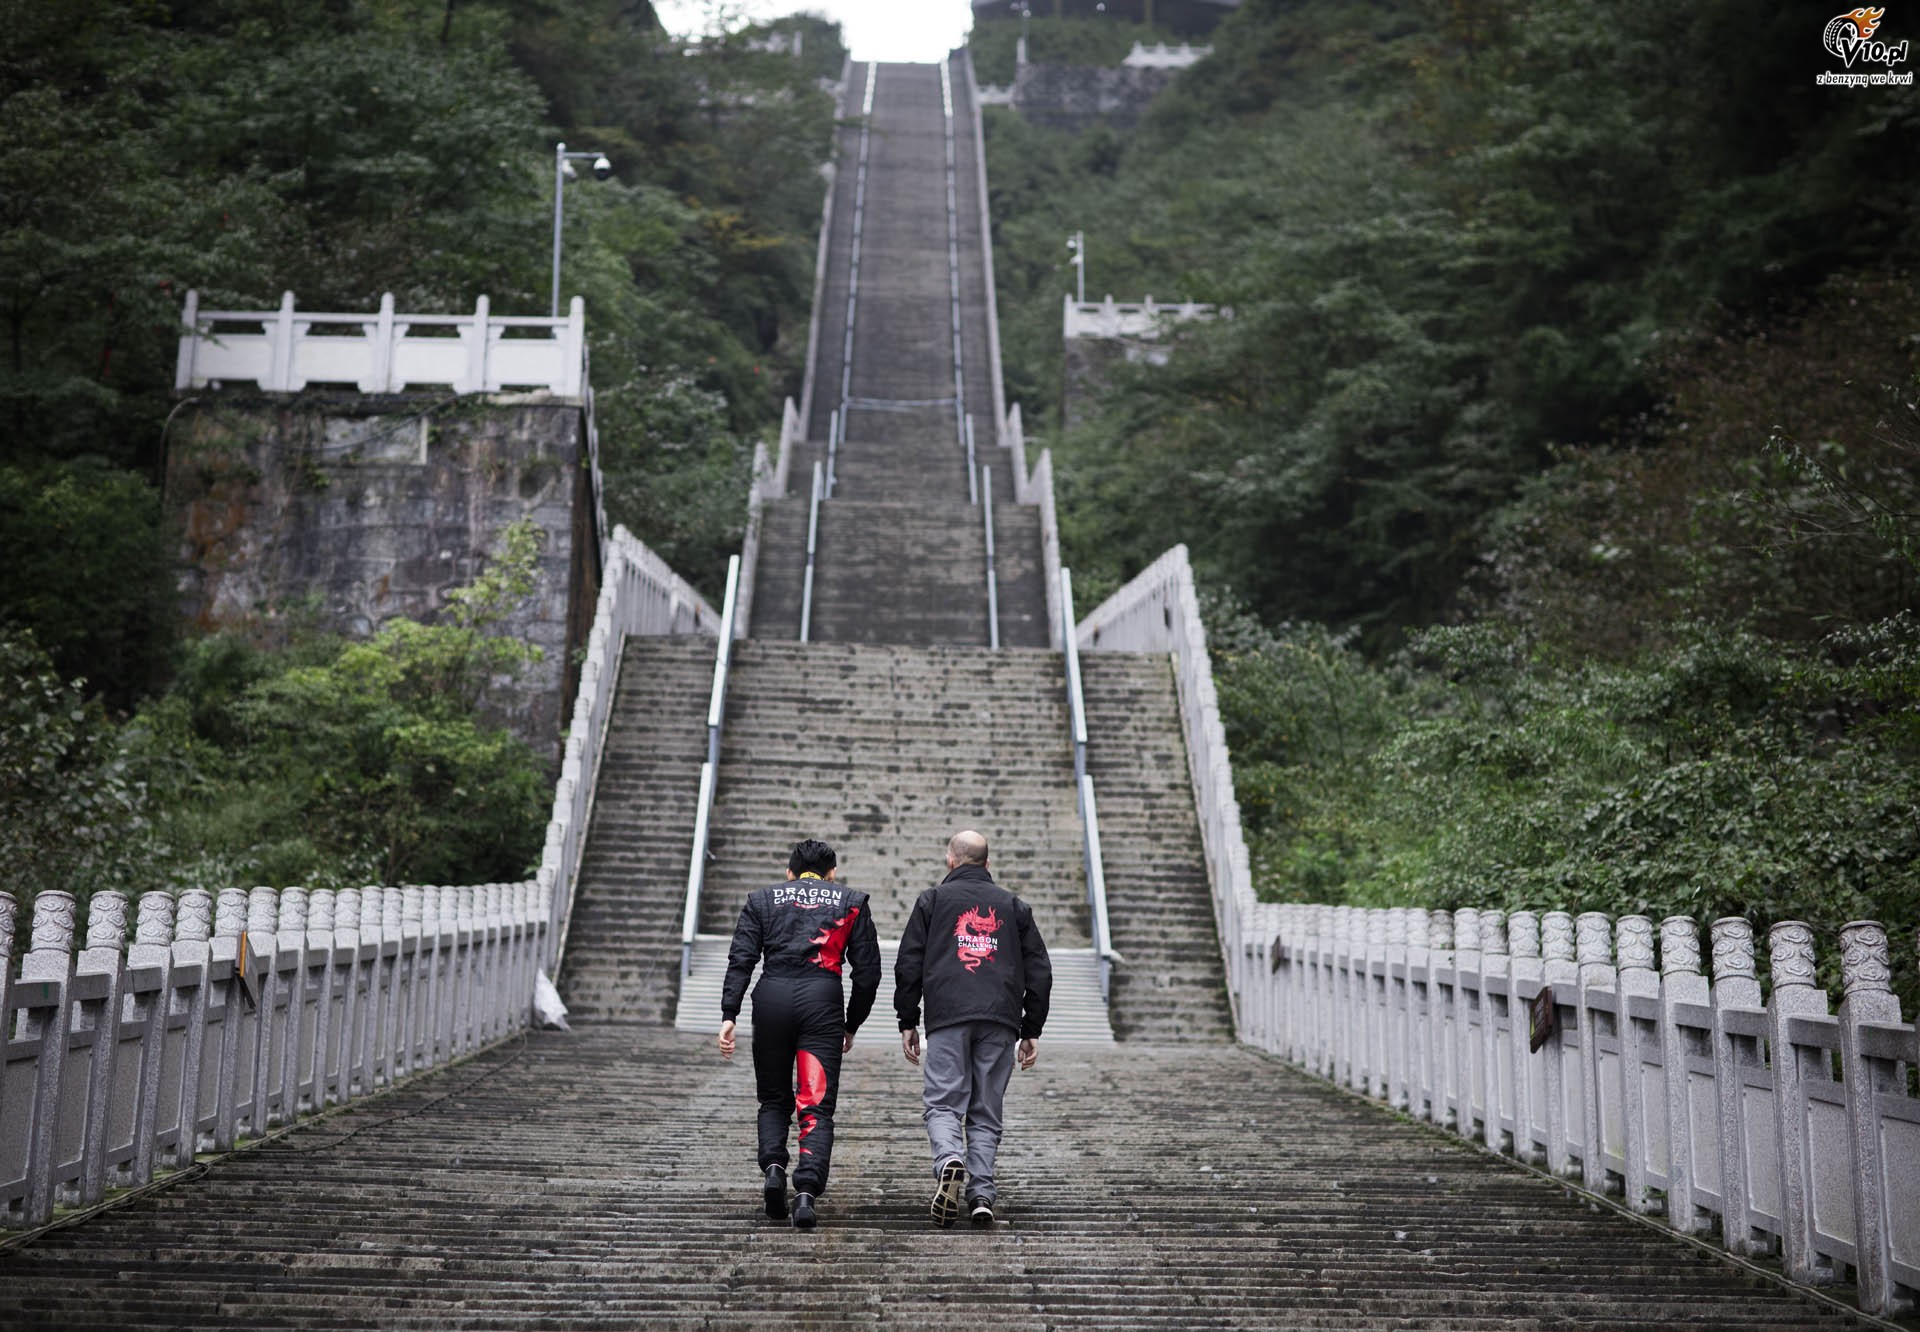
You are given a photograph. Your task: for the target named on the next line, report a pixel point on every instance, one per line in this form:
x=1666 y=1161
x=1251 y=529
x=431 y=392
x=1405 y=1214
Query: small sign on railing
x=1543 y=1018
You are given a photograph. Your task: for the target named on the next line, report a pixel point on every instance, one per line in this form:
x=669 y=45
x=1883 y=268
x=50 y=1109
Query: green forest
x=1554 y=485
x=341 y=149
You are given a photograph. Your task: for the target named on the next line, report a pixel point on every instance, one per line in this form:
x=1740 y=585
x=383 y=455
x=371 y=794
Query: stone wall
x=347 y=511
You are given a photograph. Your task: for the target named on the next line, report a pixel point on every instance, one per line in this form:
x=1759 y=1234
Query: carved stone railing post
x=1598 y=1028
x=1397 y=1022
x=103 y=961
x=1440 y=1034
x=412 y=960
x=46 y=977
x=1419 y=1041
x=1323 y=1010
x=1562 y=1074
x=262 y=953
x=1379 y=1017
x=1736 y=1048
x=1496 y=1030
x=192 y=965
x=1529 y=1069
x=1639 y=1028
x=1790 y=956
x=1469 y=1007
x=230 y=1094
x=1867 y=1009
x=150 y=986
x=330 y=980
x=1685 y=1049
x=375 y=965
x=350 y=971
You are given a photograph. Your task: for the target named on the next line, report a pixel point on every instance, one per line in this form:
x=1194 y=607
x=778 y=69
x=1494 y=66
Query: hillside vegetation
x=339 y=150
x=1554 y=480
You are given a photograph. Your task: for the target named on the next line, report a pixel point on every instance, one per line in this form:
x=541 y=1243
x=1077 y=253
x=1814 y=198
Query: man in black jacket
x=808 y=928
x=972 y=951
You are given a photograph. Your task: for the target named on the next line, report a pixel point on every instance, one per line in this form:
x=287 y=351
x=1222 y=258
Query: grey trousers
x=967 y=1067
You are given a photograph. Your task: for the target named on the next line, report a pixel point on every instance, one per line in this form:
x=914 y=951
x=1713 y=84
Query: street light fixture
x=563 y=172
x=1077 y=242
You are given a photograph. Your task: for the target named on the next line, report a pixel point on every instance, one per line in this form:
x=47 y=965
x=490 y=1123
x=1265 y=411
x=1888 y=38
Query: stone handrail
x=986 y=243
x=280 y=351
x=769 y=483
x=1683 y=1089
x=1159 y=611
x=224 y=1019
x=1162 y=56
x=1125 y=319
x=639 y=595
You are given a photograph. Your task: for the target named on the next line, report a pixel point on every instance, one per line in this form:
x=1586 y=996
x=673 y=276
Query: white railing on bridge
x=1162 y=56
x=1127 y=319
x=641 y=596
x=1683 y=1089
x=225 y=1019
x=284 y=351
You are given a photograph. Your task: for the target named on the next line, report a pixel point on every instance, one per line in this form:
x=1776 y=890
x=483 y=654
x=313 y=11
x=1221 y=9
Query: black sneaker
x=777 y=1192
x=982 y=1213
x=803 y=1217
x=946 y=1197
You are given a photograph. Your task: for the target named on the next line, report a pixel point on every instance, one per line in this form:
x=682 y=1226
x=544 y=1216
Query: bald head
x=966 y=848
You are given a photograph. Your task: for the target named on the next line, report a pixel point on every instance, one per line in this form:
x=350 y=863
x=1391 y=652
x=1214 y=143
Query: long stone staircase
x=604 y=1178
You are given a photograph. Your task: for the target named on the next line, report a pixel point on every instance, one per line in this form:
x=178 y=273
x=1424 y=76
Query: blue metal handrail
x=1083 y=787
x=709 y=770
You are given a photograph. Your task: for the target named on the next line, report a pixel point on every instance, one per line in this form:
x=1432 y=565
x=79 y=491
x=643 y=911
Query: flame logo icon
x=1850 y=29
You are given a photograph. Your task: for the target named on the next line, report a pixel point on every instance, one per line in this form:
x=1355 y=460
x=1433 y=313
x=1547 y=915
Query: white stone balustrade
x=286 y=351
x=1164 y=56
x=1685 y=1090
x=1127 y=319
x=228 y=1017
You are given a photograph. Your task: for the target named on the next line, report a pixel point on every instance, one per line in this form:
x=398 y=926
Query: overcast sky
x=875 y=29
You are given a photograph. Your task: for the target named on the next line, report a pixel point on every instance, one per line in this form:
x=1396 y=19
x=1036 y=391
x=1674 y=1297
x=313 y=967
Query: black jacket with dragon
x=805 y=926
x=972 y=951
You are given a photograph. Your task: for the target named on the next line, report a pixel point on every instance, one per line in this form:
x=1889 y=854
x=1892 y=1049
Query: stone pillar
x=329 y=982
x=1398 y=1025
x=46 y=977
x=150 y=980
x=1681 y=1042
x=262 y=952
x=1529 y=1069
x=376 y=974
x=1496 y=1021
x=1791 y=963
x=192 y=963
x=232 y=1097
x=1599 y=1015
x=1735 y=1049
x=296 y=1046
x=1440 y=1017
x=1470 y=1014
x=1639 y=999
x=105 y=957
x=1561 y=972
x=1868 y=1000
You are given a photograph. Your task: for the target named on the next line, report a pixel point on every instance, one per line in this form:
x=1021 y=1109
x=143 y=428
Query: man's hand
x=726 y=1039
x=1029 y=1052
x=846 y=1043
x=910 y=1045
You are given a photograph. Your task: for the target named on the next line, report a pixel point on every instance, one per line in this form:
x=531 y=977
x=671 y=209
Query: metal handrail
x=709 y=770
x=973 y=488
x=993 y=584
x=1083 y=786
x=853 y=265
x=833 y=449
x=953 y=255
x=813 y=537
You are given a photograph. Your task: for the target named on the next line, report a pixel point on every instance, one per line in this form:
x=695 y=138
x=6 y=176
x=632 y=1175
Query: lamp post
x=562 y=170
x=1077 y=242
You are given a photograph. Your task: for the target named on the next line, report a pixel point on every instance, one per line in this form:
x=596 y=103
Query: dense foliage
x=339 y=151
x=1559 y=452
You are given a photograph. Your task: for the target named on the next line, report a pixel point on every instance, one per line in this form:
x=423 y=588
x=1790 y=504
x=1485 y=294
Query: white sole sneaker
x=946 y=1196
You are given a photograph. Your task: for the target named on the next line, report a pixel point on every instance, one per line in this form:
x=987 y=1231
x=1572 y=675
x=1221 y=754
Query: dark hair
x=811 y=857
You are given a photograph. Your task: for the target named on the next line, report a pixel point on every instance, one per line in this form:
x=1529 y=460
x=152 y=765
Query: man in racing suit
x=807 y=928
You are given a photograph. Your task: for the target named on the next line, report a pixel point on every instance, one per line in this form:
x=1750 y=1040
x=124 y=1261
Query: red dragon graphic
x=833 y=941
x=974 y=932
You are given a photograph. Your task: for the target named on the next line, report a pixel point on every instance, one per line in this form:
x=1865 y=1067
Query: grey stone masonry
x=604 y=1180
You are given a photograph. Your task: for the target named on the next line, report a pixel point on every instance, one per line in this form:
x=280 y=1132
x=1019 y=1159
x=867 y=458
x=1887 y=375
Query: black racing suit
x=805 y=928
